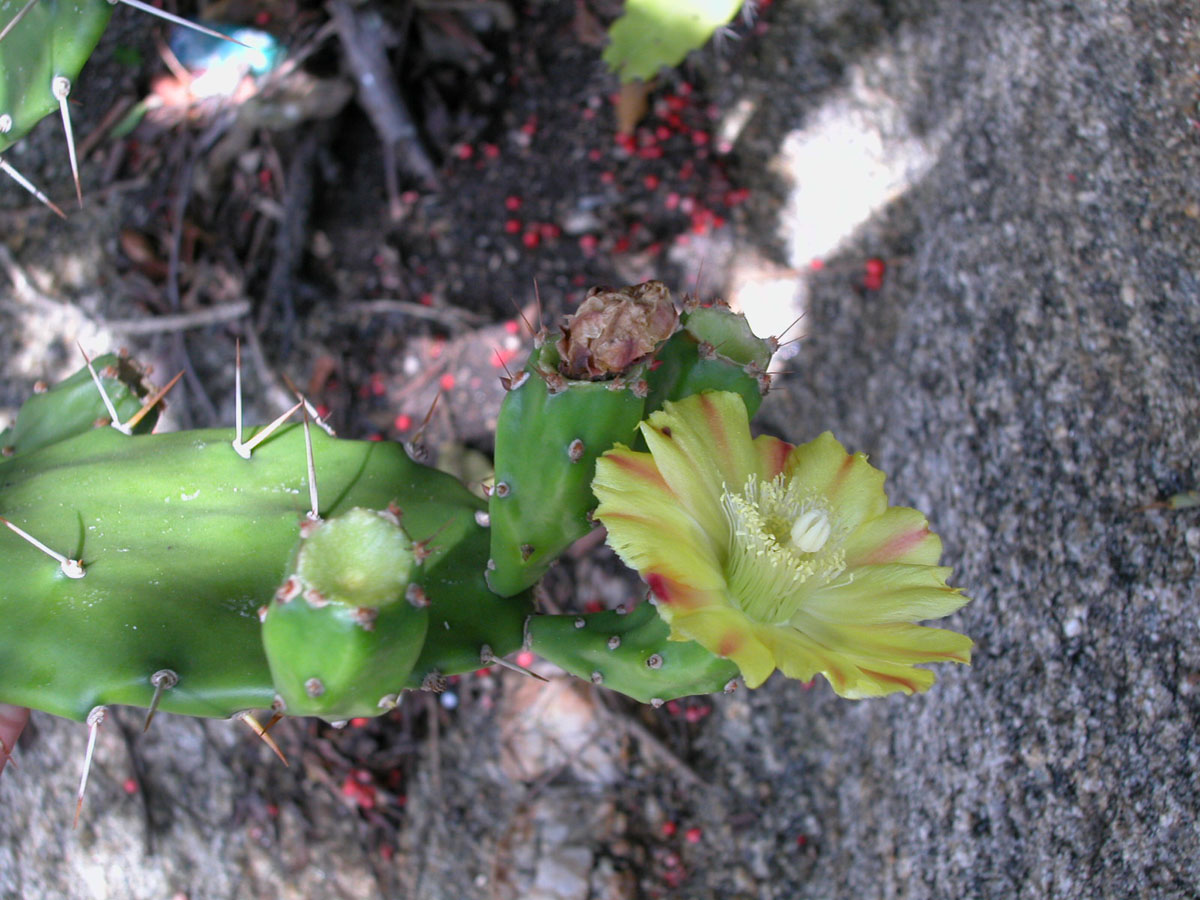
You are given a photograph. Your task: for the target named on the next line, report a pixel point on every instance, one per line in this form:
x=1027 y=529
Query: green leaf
x=652 y=34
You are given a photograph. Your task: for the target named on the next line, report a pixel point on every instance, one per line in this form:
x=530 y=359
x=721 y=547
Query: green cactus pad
x=549 y=434
x=181 y=542
x=714 y=350
x=74 y=406
x=339 y=633
x=630 y=653
x=54 y=39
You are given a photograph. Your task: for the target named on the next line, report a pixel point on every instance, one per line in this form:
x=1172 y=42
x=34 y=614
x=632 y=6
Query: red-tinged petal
x=772 y=455
x=879 y=679
x=852 y=485
x=671 y=595
x=881 y=595
x=701 y=445
x=799 y=656
x=900 y=535
x=728 y=633
x=647 y=526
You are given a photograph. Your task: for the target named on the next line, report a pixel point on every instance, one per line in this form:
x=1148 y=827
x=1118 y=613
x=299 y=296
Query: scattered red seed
x=130 y=785
x=675 y=103
x=387 y=851
x=378 y=385
x=549 y=231
x=525 y=658
x=595 y=154
x=674 y=120
x=375 y=437
x=700 y=138
x=693 y=835
x=685 y=89
x=512 y=326
x=357 y=786
x=322 y=411
x=593 y=606
x=652 y=152
x=262 y=19
x=687 y=170
x=447 y=381
x=651 y=182
x=607 y=177
x=264 y=178
x=669 y=829
x=875 y=268
x=272 y=810
x=662 y=132
x=801 y=840
x=491 y=151
x=621 y=246
x=530 y=239
x=426 y=299
x=512 y=226
x=673 y=707
x=530 y=127
x=410 y=197
x=588 y=113
x=512 y=202
x=464 y=151
x=588 y=244
x=671 y=201
x=816 y=264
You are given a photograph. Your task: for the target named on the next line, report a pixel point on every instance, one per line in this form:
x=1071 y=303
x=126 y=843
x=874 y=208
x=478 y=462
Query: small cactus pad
x=53 y=40
x=714 y=350
x=630 y=653
x=339 y=633
x=74 y=406
x=549 y=434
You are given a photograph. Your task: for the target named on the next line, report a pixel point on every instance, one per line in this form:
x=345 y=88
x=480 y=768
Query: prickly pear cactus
x=74 y=406
x=713 y=350
x=630 y=652
x=40 y=59
x=176 y=542
x=575 y=399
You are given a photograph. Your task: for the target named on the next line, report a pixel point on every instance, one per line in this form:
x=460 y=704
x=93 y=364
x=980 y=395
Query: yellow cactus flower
x=778 y=556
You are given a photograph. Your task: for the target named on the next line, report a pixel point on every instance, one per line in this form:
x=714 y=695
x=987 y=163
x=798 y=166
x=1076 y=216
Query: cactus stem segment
x=16 y=19
x=488 y=658
x=244 y=450
x=254 y=725
x=124 y=428
x=24 y=182
x=72 y=568
x=60 y=87
x=163 y=680
x=178 y=20
x=95 y=719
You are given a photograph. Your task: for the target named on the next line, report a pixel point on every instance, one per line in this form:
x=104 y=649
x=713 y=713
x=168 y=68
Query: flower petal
x=881 y=595
x=851 y=484
x=647 y=526
x=700 y=444
x=772 y=455
x=900 y=535
x=727 y=632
